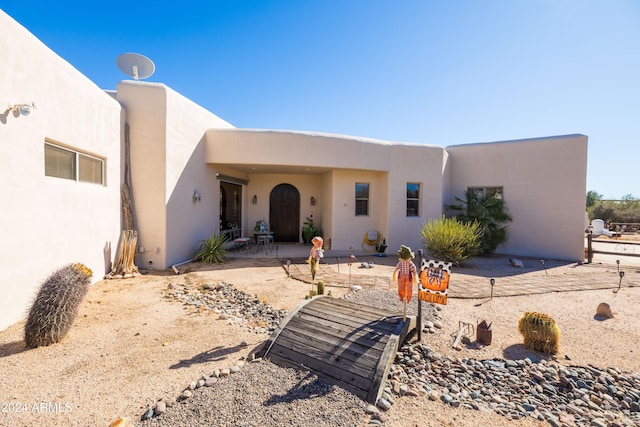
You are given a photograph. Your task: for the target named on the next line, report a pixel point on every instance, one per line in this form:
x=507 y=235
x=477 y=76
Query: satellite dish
x=135 y=65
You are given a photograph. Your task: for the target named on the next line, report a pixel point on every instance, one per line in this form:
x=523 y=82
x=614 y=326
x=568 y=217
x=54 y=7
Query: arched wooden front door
x=284 y=213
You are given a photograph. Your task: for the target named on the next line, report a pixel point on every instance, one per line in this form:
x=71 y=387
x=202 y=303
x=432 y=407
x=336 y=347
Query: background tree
x=593 y=197
x=626 y=210
x=490 y=212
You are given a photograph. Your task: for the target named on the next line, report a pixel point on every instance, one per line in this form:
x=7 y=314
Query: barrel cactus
x=320 y=285
x=540 y=332
x=56 y=305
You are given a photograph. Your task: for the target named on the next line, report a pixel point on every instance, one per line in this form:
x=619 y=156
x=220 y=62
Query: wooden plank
x=342 y=323
x=363 y=310
x=320 y=331
x=363 y=337
x=337 y=350
x=382 y=370
x=345 y=312
x=346 y=318
x=286 y=346
x=339 y=323
x=320 y=334
x=358 y=311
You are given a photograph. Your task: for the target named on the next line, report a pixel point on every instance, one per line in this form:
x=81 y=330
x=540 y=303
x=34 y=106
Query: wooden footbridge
x=346 y=344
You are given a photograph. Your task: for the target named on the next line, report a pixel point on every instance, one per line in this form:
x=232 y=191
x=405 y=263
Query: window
x=362 y=199
x=69 y=164
x=413 y=199
x=481 y=192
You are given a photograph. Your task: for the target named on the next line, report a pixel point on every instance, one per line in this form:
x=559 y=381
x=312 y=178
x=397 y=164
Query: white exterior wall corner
x=167 y=164
x=544 y=182
x=52 y=222
x=328 y=198
x=413 y=164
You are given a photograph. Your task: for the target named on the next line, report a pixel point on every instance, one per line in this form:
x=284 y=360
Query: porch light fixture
x=196 y=196
x=23 y=109
x=313 y=201
x=254 y=200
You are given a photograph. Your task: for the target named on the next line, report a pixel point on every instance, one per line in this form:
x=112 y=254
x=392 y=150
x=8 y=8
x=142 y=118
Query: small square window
x=362 y=199
x=413 y=199
x=65 y=163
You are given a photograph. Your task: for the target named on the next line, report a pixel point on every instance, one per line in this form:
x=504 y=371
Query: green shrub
x=211 y=250
x=450 y=240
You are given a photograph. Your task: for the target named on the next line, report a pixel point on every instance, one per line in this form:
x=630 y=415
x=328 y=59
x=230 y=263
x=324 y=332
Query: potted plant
x=309 y=230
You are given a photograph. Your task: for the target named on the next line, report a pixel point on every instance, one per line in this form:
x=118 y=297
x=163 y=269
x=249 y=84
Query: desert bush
x=450 y=240
x=56 y=305
x=211 y=250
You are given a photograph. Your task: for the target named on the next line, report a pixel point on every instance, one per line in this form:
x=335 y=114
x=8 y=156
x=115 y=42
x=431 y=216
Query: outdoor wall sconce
x=22 y=109
x=254 y=200
x=196 y=196
x=313 y=201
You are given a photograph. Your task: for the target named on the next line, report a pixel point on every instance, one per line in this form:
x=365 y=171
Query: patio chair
x=264 y=237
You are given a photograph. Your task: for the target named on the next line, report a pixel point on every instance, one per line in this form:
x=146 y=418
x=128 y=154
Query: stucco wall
x=544 y=181
x=300 y=149
x=50 y=222
x=167 y=164
x=349 y=229
x=413 y=164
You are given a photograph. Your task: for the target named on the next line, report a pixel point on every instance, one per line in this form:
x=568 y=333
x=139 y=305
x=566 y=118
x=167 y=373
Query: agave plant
x=211 y=250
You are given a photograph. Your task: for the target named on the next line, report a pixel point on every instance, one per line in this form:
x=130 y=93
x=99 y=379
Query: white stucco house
x=64 y=164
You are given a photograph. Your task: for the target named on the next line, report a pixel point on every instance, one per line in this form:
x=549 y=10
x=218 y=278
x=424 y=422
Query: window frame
x=362 y=202
x=79 y=168
x=496 y=191
x=415 y=200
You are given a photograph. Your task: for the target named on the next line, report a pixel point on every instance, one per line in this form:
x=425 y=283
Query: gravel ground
x=263 y=394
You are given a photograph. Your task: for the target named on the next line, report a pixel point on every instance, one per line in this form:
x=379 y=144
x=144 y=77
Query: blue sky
x=434 y=72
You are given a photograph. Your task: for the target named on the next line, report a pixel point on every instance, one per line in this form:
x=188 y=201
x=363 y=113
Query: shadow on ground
x=11 y=348
x=214 y=355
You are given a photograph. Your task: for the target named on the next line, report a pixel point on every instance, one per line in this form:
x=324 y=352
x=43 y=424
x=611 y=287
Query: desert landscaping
x=147 y=339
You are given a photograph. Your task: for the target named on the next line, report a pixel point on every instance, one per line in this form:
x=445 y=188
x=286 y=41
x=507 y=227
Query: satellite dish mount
x=135 y=65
